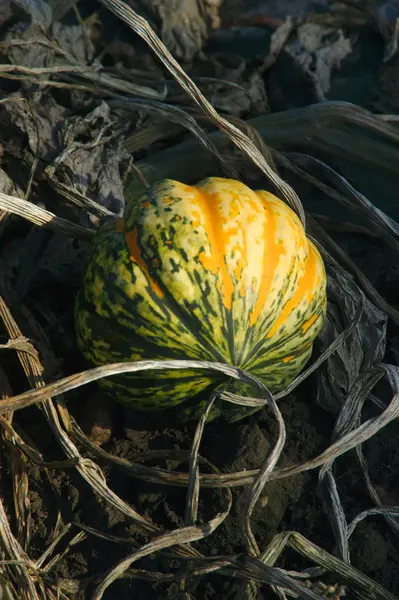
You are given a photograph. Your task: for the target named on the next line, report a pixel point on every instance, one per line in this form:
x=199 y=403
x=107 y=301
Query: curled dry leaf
x=230 y=86
x=33 y=54
x=363 y=348
x=91 y=161
x=38 y=10
x=307 y=63
x=85 y=161
x=319 y=50
x=38 y=120
x=181 y=24
x=75 y=40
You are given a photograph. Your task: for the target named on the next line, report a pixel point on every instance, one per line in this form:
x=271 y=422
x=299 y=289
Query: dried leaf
x=39 y=119
x=363 y=348
x=91 y=167
x=38 y=10
x=75 y=40
x=318 y=51
x=182 y=25
x=230 y=87
x=28 y=52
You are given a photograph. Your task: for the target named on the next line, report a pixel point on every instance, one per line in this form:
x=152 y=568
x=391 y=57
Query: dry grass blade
x=72 y=382
x=17 y=457
x=346 y=133
x=148 y=134
x=141 y=27
x=257 y=139
x=31 y=365
x=339 y=226
x=101 y=79
x=178 y=116
x=17 y=344
x=366 y=587
x=350 y=201
x=334 y=510
x=364 y=283
x=79 y=537
x=29 y=359
x=40 y=561
x=106 y=536
x=18 y=465
x=23 y=568
x=162 y=476
x=255 y=490
x=41 y=70
x=385 y=511
x=42 y=217
x=341 y=129
x=274 y=549
x=353 y=199
x=31 y=453
x=257 y=571
x=281 y=580
x=347 y=442
x=190 y=516
x=88 y=469
x=91 y=206
x=22 y=503
x=243 y=567
x=168 y=540
x=348 y=420
x=361 y=389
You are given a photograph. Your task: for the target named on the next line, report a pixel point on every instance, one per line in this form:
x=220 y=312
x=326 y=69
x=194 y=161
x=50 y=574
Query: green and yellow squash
x=213 y=272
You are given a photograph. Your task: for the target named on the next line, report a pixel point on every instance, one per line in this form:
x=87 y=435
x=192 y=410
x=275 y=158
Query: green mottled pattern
x=118 y=318
x=211 y=272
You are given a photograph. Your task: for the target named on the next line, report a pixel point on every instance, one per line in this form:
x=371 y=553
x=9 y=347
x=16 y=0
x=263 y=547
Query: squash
x=213 y=272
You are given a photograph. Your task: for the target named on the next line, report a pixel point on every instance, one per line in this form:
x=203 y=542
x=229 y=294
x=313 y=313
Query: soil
x=288 y=504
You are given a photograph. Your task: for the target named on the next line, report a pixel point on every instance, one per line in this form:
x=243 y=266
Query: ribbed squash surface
x=212 y=272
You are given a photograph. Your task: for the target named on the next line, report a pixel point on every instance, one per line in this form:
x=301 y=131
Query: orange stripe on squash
x=303 y=291
x=308 y=324
x=137 y=258
x=218 y=237
x=271 y=258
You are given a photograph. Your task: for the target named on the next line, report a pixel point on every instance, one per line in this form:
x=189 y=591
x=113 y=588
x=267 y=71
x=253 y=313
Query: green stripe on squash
x=215 y=272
